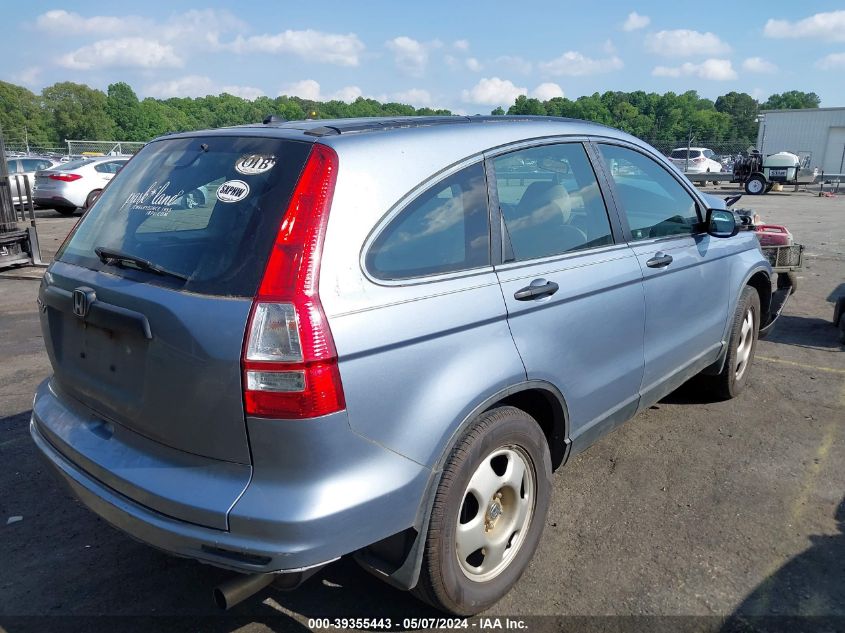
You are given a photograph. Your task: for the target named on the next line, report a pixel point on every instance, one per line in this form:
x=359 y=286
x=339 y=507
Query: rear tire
x=66 y=211
x=730 y=382
x=755 y=185
x=493 y=498
x=91 y=198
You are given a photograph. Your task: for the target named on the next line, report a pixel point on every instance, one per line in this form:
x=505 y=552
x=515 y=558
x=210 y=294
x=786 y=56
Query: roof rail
x=338 y=126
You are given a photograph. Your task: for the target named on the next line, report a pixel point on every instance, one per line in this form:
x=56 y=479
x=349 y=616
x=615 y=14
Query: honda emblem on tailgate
x=82 y=299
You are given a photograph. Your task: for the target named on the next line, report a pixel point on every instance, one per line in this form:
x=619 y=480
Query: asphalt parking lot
x=694 y=508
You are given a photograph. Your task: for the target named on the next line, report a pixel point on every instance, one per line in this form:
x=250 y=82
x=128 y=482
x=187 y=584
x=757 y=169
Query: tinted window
x=445 y=229
x=74 y=164
x=110 y=167
x=655 y=204
x=183 y=205
x=682 y=154
x=550 y=201
x=12 y=166
x=34 y=164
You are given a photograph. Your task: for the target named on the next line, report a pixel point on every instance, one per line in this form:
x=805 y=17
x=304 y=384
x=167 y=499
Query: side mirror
x=721 y=223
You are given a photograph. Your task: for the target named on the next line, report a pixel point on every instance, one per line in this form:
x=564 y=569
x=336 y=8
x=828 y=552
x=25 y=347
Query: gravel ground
x=694 y=509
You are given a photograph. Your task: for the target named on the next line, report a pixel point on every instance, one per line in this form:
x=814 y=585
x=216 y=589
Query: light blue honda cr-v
x=274 y=345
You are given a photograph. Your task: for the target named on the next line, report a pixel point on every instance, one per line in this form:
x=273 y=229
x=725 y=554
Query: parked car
x=23 y=168
x=77 y=183
x=374 y=337
x=701 y=160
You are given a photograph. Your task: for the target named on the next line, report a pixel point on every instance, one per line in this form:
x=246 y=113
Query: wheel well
x=546 y=408
x=762 y=284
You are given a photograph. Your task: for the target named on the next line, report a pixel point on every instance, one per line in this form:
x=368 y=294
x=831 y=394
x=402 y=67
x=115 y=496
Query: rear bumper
x=51 y=201
x=310 y=500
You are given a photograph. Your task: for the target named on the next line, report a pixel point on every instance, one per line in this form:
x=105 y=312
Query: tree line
x=68 y=110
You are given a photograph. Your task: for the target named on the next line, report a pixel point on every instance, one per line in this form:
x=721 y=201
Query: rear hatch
x=148 y=300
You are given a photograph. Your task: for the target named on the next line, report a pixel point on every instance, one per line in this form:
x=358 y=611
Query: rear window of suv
x=682 y=153
x=205 y=208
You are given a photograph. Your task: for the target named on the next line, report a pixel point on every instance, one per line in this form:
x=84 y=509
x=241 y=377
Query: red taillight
x=289 y=360
x=700 y=159
x=64 y=177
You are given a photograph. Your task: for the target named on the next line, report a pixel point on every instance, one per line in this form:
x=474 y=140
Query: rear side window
x=445 y=229
x=34 y=164
x=205 y=208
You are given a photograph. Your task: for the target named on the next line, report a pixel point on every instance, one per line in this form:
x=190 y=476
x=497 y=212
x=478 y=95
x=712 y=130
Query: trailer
x=758 y=174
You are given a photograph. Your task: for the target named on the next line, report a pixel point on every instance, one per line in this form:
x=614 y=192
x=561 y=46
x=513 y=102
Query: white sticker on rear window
x=253 y=164
x=232 y=191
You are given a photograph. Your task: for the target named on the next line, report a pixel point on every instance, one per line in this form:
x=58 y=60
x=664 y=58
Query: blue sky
x=469 y=57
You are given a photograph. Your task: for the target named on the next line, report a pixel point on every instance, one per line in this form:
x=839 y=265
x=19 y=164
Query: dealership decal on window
x=154 y=200
x=232 y=191
x=253 y=164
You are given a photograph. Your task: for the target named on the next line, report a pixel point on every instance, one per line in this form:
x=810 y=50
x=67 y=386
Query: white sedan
x=75 y=184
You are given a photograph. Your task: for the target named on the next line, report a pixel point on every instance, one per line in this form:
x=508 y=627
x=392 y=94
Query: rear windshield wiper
x=114 y=257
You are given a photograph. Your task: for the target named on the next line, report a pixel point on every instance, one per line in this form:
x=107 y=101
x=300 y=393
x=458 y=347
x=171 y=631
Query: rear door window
x=183 y=205
x=550 y=201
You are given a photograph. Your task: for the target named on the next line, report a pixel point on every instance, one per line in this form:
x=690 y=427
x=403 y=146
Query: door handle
x=660 y=260
x=538 y=288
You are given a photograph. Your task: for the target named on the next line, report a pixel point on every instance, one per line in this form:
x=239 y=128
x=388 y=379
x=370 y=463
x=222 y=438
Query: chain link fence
x=103 y=148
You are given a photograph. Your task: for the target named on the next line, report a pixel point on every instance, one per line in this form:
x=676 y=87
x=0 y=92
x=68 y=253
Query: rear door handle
x=538 y=288
x=660 y=260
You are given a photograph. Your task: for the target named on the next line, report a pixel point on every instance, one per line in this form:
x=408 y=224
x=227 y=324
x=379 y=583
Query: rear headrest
x=540 y=194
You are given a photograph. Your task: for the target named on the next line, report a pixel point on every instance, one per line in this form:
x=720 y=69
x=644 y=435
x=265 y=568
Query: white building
x=815 y=132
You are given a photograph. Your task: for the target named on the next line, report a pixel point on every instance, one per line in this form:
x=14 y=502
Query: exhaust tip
x=235 y=590
x=220 y=599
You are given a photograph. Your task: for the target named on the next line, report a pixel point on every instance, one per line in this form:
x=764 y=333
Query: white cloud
x=310 y=89
x=546 y=91
x=636 y=21
x=759 y=65
x=685 y=43
x=198 y=86
x=127 y=52
x=415 y=96
x=832 y=61
x=200 y=28
x=68 y=23
x=347 y=94
x=473 y=64
x=186 y=30
x=493 y=91
x=513 y=64
x=460 y=45
x=575 y=64
x=410 y=56
x=28 y=76
x=310 y=45
x=713 y=69
x=824 y=26
x=305 y=89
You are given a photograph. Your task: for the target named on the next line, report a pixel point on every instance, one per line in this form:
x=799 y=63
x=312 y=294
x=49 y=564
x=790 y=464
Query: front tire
x=488 y=513
x=730 y=382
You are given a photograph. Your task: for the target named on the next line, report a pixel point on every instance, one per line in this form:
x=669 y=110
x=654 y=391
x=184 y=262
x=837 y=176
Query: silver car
x=75 y=184
x=23 y=169
x=379 y=337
